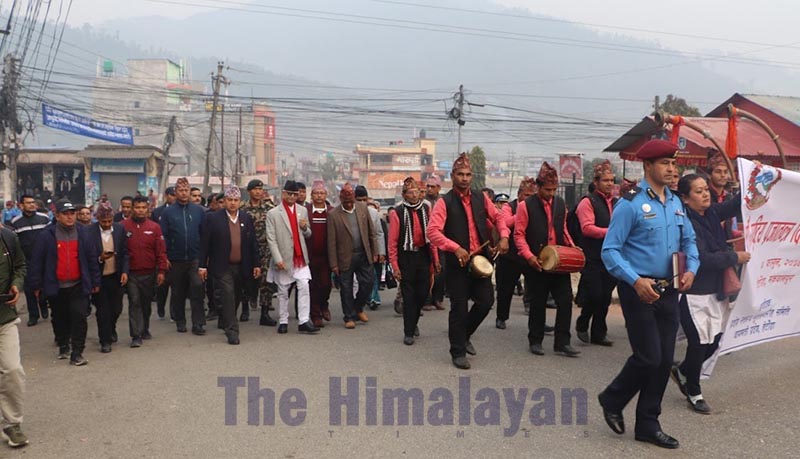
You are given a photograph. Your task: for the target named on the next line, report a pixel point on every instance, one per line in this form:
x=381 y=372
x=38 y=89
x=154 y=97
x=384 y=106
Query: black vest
x=602 y=217
x=536 y=233
x=513 y=251
x=455 y=228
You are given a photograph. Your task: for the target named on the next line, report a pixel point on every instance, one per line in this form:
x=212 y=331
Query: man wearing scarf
x=229 y=253
x=411 y=255
x=541 y=220
x=287 y=231
x=594 y=214
x=460 y=224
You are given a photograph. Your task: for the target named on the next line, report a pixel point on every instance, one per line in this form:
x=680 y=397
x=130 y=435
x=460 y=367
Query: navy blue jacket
x=215 y=248
x=121 y=258
x=181 y=225
x=715 y=254
x=42 y=265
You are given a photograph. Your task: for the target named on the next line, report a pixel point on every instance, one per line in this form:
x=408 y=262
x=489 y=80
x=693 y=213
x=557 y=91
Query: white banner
x=767 y=307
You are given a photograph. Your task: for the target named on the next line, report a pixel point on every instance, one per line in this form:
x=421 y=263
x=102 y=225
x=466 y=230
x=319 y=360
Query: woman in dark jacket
x=704 y=308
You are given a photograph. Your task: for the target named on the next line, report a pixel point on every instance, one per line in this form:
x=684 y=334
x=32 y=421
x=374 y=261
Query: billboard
x=569 y=165
x=81 y=125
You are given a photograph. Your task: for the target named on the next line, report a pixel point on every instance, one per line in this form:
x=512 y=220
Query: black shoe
x=32 y=322
x=527 y=309
x=283 y=328
x=416 y=330
x=114 y=336
x=614 y=419
x=548 y=329
x=245 y=316
x=659 y=438
x=45 y=313
x=604 y=341
x=136 y=342
x=583 y=336
x=470 y=348
x=537 y=349
x=267 y=321
x=373 y=306
x=408 y=340
x=63 y=353
x=105 y=348
x=77 y=360
x=307 y=327
x=501 y=324
x=146 y=335
x=461 y=363
x=181 y=328
x=233 y=339
x=679 y=379
x=567 y=351
x=199 y=330
x=700 y=406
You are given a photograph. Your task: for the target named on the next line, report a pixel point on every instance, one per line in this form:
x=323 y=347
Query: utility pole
x=511 y=168
x=239 y=170
x=217 y=79
x=656 y=104
x=222 y=148
x=457 y=113
x=168 y=141
x=10 y=127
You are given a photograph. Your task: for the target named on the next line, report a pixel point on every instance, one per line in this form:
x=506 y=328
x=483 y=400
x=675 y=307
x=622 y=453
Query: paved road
x=163 y=400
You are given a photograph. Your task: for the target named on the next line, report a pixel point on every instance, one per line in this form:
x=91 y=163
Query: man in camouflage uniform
x=257 y=207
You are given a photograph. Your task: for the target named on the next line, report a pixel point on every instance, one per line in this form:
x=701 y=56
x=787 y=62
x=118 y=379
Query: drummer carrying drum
x=541 y=221
x=459 y=227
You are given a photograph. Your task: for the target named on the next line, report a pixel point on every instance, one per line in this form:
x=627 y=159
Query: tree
x=678 y=106
x=328 y=169
x=477 y=159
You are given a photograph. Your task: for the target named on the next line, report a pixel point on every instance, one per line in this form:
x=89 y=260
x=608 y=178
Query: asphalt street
x=164 y=399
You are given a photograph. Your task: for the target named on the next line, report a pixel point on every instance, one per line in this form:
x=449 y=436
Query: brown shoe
x=318 y=323
x=362 y=316
x=326 y=314
x=350 y=325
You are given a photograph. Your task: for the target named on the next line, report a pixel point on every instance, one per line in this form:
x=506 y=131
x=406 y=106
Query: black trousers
x=213 y=305
x=108 y=302
x=651 y=332
x=437 y=291
x=463 y=321
x=320 y=288
x=228 y=294
x=141 y=288
x=36 y=306
x=696 y=353
x=185 y=282
x=596 y=288
x=162 y=292
x=507 y=274
x=415 y=267
x=70 y=308
x=365 y=273
x=542 y=285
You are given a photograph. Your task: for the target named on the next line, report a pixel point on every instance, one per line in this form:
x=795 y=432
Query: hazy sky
x=769 y=22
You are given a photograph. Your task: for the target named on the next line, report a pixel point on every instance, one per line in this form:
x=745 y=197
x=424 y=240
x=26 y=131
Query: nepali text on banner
x=767 y=306
x=81 y=125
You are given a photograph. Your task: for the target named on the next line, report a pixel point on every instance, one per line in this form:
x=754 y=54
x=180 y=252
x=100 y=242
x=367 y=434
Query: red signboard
x=568 y=165
x=269 y=132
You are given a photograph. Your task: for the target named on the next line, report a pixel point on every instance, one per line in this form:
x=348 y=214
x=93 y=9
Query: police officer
x=648 y=225
x=257 y=207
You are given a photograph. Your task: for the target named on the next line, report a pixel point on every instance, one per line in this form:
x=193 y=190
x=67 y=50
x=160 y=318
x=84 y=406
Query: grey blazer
x=279 y=234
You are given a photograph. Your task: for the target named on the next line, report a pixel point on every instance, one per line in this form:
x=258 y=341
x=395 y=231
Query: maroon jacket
x=146 y=246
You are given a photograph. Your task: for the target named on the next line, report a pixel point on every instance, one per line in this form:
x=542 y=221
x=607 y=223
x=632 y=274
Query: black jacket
x=215 y=244
x=121 y=260
x=715 y=255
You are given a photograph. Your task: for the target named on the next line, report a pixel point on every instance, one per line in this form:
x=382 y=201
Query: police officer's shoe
x=567 y=351
x=266 y=320
x=501 y=324
x=470 y=348
x=583 y=336
x=537 y=349
x=461 y=363
x=659 y=438
x=614 y=419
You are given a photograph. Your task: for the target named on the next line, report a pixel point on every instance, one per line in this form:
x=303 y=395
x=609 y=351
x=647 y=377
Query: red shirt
x=521 y=228
x=439 y=218
x=417 y=237
x=585 y=213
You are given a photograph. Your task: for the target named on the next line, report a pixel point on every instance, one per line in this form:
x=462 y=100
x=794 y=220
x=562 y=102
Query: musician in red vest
x=594 y=213
x=541 y=220
x=460 y=224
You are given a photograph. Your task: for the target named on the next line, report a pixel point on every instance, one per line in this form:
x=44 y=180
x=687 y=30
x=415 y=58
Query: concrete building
x=383 y=169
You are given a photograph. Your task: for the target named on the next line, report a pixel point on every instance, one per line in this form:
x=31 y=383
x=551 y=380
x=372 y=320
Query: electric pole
x=168 y=141
x=511 y=168
x=239 y=169
x=457 y=113
x=222 y=148
x=10 y=127
x=217 y=79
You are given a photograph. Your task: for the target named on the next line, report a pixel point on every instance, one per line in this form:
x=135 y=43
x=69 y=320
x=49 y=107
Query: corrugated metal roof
x=784 y=106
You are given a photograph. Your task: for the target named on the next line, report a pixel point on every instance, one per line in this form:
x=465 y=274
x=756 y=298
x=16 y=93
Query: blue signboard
x=81 y=125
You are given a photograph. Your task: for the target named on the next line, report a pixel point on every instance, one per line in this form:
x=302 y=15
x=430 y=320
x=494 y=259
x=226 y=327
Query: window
x=135 y=104
x=136 y=131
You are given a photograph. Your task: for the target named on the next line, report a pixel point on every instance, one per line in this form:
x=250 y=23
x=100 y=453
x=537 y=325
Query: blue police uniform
x=642 y=236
